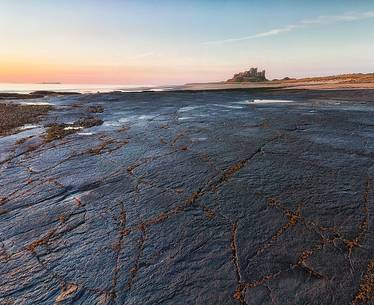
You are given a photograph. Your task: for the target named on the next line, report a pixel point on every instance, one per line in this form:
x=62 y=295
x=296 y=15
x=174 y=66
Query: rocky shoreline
x=202 y=197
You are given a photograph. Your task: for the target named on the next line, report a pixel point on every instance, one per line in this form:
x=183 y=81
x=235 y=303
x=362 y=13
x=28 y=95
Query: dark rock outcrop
x=13 y=116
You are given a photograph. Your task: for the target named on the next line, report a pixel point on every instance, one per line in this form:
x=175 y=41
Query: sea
x=81 y=88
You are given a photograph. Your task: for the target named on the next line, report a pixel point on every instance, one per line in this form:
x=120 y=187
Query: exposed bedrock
x=192 y=198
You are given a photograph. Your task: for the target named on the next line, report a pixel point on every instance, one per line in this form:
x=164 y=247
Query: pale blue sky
x=182 y=41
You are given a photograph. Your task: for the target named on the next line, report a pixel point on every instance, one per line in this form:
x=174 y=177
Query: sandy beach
x=341 y=82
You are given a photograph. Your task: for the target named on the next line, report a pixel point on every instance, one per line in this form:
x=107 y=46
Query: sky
x=175 y=42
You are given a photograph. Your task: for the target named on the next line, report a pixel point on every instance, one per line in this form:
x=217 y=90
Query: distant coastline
x=50 y=83
x=334 y=82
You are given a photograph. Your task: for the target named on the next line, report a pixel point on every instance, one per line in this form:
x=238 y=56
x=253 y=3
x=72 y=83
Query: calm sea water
x=82 y=88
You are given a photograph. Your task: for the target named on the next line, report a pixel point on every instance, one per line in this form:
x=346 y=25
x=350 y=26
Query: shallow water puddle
x=266 y=101
x=228 y=106
x=73 y=128
x=29 y=126
x=36 y=103
x=263 y=101
x=85 y=133
x=188 y=108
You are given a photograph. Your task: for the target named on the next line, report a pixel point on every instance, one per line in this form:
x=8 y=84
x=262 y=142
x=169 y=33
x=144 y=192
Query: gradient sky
x=172 y=42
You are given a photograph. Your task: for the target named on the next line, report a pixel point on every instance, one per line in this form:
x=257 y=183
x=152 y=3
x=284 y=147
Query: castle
x=252 y=75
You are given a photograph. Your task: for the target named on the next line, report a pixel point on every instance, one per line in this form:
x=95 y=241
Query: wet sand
x=202 y=197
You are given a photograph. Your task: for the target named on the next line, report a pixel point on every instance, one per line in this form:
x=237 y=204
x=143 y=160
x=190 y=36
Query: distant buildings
x=252 y=75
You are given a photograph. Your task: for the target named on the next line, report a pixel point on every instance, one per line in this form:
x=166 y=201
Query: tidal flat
x=201 y=197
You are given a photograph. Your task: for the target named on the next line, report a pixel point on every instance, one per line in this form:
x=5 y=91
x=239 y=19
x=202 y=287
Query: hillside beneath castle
x=254 y=79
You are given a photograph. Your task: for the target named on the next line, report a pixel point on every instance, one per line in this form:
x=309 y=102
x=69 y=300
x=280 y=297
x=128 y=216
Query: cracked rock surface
x=226 y=197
